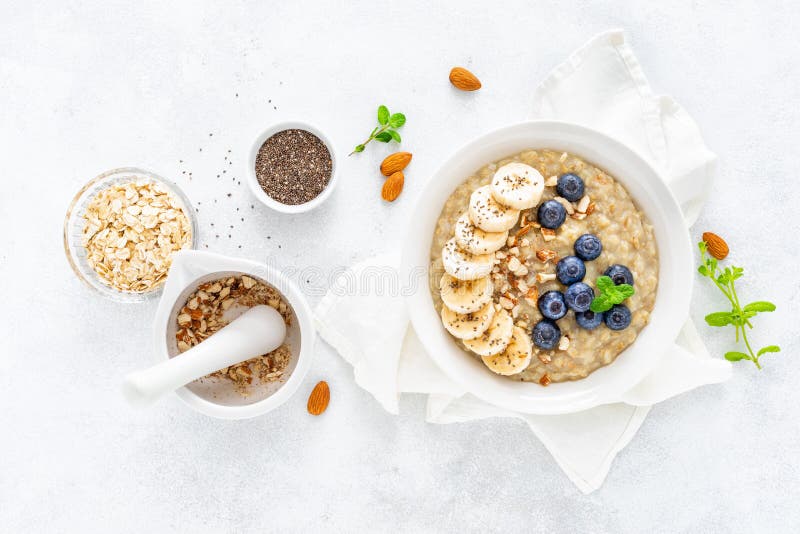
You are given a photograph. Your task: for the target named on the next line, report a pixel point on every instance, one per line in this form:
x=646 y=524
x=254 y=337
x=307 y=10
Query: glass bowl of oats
x=121 y=231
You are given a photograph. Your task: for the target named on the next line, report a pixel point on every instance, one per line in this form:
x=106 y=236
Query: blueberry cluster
x=571 y=271
x=551 y=214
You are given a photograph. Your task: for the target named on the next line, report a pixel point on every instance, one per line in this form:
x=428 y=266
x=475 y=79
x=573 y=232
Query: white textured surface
x=86 y=88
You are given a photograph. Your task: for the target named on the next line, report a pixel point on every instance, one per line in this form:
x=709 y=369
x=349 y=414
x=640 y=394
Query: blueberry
x=552 y=305
x=546 y=334
x=619 y=274
x=551 y=214
x=570 y=186
x=579 y=297
x=589 y=320
x=588 y=247
x=618 y=317
x=570 y=270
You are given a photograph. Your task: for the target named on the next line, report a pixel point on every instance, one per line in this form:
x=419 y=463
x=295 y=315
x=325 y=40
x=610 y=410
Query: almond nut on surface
x=319 y=398
x=395 y=163
x=392 y=187
x=463 y=79
x=717 y=246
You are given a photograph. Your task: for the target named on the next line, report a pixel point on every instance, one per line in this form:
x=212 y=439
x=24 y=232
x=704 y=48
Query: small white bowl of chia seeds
x=292 y=167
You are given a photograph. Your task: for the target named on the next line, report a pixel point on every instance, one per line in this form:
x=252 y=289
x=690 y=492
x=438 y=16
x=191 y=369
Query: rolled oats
x=131 y=231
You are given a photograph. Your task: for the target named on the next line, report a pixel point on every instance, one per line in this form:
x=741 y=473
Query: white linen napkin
x=602 y=86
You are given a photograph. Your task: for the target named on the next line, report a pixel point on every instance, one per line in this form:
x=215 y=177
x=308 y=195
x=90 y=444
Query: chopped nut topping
x=563 y=343
x=583 y=204
x=548 y=234
x=545 y=277
x=544 y=255
x=506 y=303
x=545 y=380
x=200 y=322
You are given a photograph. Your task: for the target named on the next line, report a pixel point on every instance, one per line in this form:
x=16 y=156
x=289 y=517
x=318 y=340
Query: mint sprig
x=739 y=316
x=386 y=130
x=610 y=294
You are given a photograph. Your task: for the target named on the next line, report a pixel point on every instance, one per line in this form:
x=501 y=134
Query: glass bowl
x=74 y=224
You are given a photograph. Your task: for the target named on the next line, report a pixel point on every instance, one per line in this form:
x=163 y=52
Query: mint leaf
x=386 y=131
x=601 y=304
x=397 y=120
x=720 y=319
x=383 y=115
x=760 y=306
x=622 y=291
x=736 y=356
x=604 y=283
x=769 y=348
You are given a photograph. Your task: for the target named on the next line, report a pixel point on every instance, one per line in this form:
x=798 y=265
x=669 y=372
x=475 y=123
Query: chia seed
x=293 y=166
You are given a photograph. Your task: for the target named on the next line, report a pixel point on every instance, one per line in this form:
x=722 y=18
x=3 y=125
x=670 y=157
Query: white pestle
x=257 y=331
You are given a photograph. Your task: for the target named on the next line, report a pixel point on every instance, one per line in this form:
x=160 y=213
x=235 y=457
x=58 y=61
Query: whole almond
x=319 y=398
x=716 y=246
x=395 y=163
x=463 y=79
x=392 y=187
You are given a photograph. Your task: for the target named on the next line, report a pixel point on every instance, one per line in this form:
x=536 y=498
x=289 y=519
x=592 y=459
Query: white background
x=85 y=88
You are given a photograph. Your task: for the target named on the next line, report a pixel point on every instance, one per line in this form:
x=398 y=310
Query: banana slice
x=464 y=265
x=488 y=214
x=496 y=338
x=472 y=239
x=466 y=296
x=515 y=358
x=468 y=325
x=517 y=186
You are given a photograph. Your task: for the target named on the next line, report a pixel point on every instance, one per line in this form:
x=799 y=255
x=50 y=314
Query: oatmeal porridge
x=543 y=267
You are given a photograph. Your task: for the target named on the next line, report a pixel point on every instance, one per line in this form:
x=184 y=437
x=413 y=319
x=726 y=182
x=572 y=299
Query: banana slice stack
x=469 y=312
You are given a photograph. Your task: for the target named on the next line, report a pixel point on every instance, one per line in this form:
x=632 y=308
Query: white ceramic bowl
x=261 y=195
x=218 y=398
x=652 y=196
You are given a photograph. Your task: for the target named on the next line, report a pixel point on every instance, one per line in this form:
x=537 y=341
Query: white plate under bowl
x=650 y=194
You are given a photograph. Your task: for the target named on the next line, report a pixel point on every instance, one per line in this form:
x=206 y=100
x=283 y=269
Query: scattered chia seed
x=293 y=166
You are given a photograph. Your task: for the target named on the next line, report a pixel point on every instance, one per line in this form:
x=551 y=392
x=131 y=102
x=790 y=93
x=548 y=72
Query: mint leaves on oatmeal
x=739 y=316
x=610 y=294
x=386 y=130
